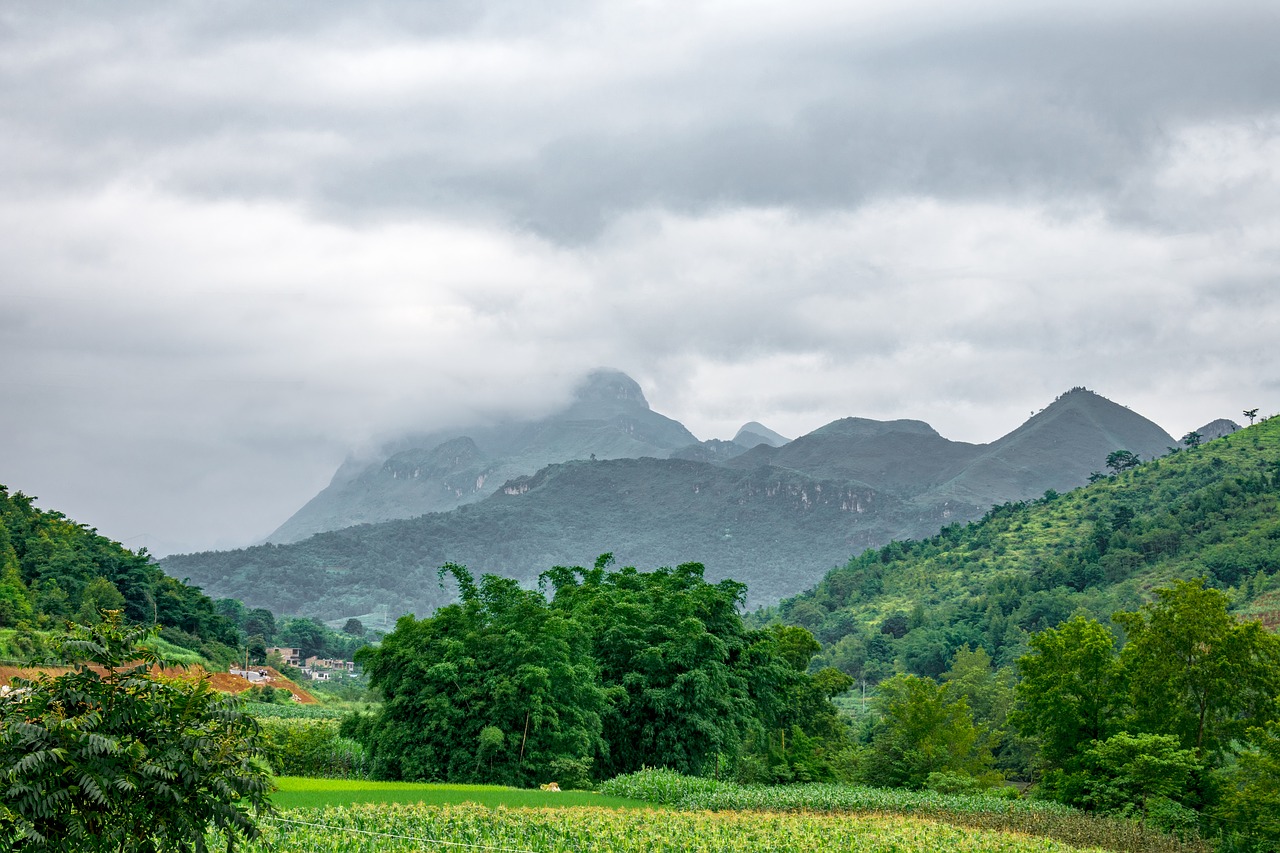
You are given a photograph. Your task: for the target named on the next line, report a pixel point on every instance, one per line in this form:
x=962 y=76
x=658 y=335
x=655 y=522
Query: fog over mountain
x=242 y=241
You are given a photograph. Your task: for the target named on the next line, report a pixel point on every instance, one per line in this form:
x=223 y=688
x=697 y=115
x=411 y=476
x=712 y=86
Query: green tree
x=1126 y=771
x=15 y=599
x=125 y=760
x=354 y=627
x=500 y=659
x=1197 y=673
x=1070 y=691
x=1251 y=414
x=1250 y=807
x=261 y=622
x=99 y=595
x=309 y=636
x=1192 y=439
x=1122 y=460
x=675 y=656
x=923 y=730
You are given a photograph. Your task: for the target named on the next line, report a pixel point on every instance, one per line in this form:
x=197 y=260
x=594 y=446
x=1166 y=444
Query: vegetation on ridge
x=1209 y=511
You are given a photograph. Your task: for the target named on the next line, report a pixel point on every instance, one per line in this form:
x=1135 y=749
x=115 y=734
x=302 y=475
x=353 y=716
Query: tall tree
x=501 y=660
x=1197 y=673
x=1122 y=460
x=1070 y=689
x=923 y=729
x=672 y=650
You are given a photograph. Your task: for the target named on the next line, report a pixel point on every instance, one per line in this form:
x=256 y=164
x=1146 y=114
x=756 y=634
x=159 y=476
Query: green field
x=305 y=793
x=400 y=827
x=679 y=813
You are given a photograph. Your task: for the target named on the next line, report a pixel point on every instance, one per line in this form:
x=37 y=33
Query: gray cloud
x=243 y=240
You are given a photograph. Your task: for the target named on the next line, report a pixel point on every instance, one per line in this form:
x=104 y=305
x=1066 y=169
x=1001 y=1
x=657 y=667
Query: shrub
x=312 y=747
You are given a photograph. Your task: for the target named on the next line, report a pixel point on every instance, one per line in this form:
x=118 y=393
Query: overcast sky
x=238 y=240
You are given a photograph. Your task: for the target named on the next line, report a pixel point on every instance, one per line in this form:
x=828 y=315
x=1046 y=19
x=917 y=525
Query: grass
x=295 y=792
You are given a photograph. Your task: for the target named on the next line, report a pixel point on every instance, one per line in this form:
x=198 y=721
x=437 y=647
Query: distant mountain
x=775 y=530
x=753 y=433
x=773 y=517
x=1217 y=429
x=1056 y=449
x=609 y=418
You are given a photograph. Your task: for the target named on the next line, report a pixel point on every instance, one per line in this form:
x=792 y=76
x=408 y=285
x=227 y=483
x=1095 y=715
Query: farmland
x=391 y=828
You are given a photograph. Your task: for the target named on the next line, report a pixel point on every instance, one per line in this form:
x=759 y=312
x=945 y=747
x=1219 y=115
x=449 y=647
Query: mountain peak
x=866 y=428
x=608 y=385
x=1218 y=429
x=753 y=433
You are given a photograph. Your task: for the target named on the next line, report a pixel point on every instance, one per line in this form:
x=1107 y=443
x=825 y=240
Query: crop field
x=1036 y=818
x=400 y=828
x=300 y=793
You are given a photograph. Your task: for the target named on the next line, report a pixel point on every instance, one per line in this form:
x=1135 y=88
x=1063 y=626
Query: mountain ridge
x=772 y=517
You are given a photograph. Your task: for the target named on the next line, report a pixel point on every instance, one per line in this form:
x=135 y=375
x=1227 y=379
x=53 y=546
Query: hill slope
x=53 y=569
x=1210 y=511
x=774 y=530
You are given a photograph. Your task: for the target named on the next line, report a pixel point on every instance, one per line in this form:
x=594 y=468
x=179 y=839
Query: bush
x=312 y=747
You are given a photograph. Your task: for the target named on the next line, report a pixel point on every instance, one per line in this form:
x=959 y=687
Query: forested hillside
x=53 y=569
x=774 y=530
x=1202 y=511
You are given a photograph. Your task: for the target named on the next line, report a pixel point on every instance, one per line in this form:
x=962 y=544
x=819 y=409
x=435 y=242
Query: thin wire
x=405 y=837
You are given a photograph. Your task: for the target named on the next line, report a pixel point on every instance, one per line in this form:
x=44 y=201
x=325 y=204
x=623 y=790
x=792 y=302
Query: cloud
x=240 y=243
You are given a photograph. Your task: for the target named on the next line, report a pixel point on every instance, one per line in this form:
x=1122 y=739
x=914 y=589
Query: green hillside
x=53 y=569
x=1208 y=511
x=777 y=531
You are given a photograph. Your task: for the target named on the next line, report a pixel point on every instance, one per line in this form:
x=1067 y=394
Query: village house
x=293 y=657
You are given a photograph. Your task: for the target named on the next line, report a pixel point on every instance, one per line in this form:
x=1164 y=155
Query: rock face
x=609 y=418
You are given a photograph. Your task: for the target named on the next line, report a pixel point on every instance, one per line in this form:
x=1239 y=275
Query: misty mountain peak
x=868 y=428
x=605 y=385
x=753 y=433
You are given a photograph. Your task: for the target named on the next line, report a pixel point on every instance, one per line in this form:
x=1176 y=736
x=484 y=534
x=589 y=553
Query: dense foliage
x=619 y=669
x=1167 y=722
x=909 y=606
x=311 y=747
x=114 y=758
x=53 y=570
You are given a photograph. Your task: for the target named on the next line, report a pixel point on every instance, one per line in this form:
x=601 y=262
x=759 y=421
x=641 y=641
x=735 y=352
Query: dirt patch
x=224 y=682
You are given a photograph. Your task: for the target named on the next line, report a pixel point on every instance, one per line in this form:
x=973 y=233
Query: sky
x=240 y=241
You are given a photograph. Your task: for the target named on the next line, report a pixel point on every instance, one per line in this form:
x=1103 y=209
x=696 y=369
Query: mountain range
x=607 y=474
